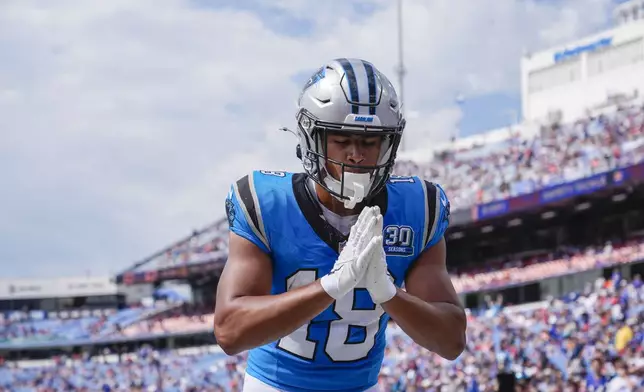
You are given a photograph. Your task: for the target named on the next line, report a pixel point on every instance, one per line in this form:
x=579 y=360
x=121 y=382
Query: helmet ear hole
x=298 y=152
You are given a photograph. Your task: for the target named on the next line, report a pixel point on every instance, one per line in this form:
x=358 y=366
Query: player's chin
x=336 y=169
x=366 y=169
x=358 y=171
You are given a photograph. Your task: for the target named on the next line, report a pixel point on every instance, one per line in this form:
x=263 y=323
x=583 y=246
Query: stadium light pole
x=400 y=70
x=460 y=101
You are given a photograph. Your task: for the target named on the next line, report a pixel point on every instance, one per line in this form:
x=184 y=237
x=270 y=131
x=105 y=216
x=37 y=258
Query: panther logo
x=230 y=212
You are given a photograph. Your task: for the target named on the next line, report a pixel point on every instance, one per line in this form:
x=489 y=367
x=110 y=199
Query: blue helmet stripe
x=371 y=78
x=353 y=84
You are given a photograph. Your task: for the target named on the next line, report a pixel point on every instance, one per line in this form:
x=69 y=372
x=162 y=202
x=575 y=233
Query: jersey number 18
x=336 y=346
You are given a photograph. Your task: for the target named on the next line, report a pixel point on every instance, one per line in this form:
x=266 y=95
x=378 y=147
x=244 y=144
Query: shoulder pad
x=436 y=213
x=402 y=180
x=246 y=194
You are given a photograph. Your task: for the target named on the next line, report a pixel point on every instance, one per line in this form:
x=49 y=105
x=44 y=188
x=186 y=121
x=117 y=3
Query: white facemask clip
x=356 y=186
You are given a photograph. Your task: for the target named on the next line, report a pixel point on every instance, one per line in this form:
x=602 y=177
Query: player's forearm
x=438 y=327
x=248 y=322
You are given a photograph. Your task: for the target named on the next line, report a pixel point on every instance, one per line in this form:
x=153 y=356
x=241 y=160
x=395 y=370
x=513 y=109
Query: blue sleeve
x=238 y=221
x=439 y=210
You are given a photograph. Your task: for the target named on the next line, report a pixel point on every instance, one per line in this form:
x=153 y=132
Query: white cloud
x=122 y=123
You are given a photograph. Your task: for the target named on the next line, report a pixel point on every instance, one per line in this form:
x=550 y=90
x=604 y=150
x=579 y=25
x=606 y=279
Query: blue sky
x=489 y=111
x=123 y=123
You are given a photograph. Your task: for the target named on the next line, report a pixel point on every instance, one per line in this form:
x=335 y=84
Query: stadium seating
x=568 y=342
x=19 y=328
x=162 y=320
x=572 y=341
x=519 y=165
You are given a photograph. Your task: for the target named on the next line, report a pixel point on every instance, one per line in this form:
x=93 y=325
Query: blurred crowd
x=585 y=342
x=33 y=326
x=535 y=268
x=588 y=341
x=185 y=318
x=518 y=165
x=202 y=369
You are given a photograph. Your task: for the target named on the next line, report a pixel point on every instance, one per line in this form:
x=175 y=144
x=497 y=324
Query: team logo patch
x=446 y=207
x=230 y=212
x=399 y=240
x=319 y=75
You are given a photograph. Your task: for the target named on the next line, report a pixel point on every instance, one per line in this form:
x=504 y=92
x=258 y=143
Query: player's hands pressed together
x=378 y=280
x=362 y=259
x=419 y=307
x=362 y=247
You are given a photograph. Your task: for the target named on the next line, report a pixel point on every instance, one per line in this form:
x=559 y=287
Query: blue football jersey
x=343 y=347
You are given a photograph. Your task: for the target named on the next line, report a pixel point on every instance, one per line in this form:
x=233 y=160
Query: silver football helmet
x=352 y=96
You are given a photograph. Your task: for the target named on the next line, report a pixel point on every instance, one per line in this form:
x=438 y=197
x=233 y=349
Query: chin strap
x=356 y=186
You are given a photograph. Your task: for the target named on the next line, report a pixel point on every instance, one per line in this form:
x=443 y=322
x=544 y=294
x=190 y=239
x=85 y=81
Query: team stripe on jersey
x=353 y=84
x=245 y=192
x=432 y=211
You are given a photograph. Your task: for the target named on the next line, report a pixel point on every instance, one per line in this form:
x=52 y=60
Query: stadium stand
x=518 y=164
x=585 y=339
x=589 y=339
x=20 y=329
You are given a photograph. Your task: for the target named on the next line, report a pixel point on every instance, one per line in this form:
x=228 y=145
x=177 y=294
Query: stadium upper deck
x=571 y=80
x=473 y=171
x=542 y=264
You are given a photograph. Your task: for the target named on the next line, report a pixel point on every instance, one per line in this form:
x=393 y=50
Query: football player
x=317 y=259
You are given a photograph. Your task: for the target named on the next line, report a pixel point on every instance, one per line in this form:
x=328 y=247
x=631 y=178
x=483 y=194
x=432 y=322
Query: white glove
x=354 y=259
x=379 y=281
